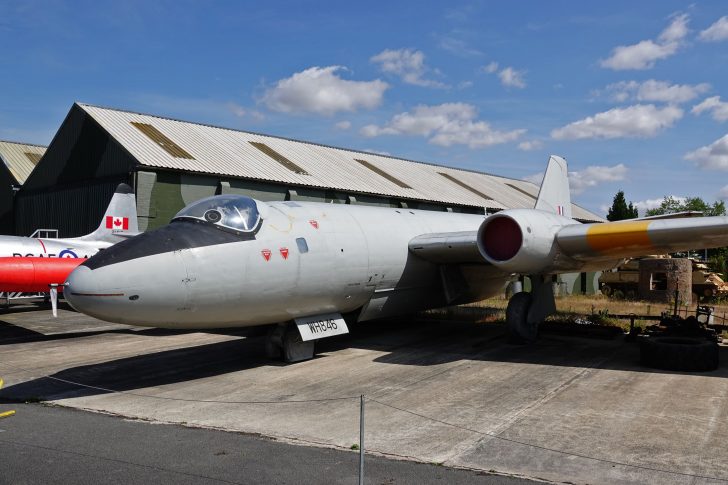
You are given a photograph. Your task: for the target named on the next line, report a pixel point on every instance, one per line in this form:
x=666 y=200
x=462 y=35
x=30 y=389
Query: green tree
x=717 y=257
x=670 y=205
x=620 y=210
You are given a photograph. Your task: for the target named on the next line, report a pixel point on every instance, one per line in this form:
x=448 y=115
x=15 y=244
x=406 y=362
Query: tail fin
x=554 y=195
x=120 y=220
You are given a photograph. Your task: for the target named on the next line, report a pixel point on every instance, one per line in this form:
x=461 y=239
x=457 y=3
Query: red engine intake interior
x=502 y=238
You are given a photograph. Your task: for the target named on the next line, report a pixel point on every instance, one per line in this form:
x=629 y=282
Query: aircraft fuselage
x=305 y=259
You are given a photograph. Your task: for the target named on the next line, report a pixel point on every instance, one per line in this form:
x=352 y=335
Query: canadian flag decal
x=284 y=253
x=266 y=254
x=117 y=223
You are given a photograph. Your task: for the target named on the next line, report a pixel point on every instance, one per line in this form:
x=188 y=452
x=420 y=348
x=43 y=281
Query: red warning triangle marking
x=284 y=253
x=266 y=254
x=314 y=223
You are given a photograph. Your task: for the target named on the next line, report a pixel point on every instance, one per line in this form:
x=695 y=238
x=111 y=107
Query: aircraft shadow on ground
x=11 y=334
x=143 y=371
x=411 y=342
x=431 y=342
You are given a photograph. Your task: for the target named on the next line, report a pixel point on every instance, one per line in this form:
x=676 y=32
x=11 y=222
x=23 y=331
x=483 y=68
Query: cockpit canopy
x=233 y=212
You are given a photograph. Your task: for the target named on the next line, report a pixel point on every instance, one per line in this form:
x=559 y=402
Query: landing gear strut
x=284 y=342
x=527 y=310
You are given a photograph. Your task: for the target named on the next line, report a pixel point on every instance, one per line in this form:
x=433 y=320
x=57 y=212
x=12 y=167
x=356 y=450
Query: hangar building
x=18 y=161
x=171 y=163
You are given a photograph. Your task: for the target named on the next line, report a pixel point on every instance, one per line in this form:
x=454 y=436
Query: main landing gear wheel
x=519 y=329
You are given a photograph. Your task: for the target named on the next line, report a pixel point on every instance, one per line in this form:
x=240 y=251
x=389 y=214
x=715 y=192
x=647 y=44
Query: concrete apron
x=565 y=409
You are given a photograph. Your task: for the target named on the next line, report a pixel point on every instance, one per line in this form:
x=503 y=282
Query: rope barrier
x=413 y=413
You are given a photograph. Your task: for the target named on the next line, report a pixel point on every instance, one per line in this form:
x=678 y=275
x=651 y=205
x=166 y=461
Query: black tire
x=679 y=353
x=607 y=290
x=519 y=330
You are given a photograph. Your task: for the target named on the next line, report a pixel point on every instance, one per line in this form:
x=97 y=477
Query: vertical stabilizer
x=120 y=220
x=554 y=195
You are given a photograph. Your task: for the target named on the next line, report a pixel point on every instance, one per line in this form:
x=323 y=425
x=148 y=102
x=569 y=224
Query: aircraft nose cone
x=147 y=291
x=94 y=293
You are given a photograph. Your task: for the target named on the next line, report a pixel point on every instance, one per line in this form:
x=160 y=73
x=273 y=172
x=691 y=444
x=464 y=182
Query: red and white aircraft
x=30 y=264
x=119 y=223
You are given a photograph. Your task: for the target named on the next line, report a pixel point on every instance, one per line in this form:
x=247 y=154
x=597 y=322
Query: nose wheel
x=284 y=342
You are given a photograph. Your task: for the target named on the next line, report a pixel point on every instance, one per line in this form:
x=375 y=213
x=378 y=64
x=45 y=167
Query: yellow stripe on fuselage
x=609 y=237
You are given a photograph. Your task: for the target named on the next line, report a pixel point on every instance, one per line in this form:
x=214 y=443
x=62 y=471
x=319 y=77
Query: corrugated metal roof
x=227 y=152
x=20 y=158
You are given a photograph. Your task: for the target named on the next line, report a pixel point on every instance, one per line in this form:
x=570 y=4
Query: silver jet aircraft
x=119 y=223
x=231 y=261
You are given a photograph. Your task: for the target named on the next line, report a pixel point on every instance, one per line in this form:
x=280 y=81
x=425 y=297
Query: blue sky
x=633 y=94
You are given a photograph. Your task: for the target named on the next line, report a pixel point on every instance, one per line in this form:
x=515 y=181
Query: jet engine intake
x=522 y=240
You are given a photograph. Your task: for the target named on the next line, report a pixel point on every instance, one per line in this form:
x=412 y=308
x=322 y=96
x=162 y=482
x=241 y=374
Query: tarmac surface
x=65 y=446
x=567 y=409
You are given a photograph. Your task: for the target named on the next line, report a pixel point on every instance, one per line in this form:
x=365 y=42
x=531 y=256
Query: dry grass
x=596 y=308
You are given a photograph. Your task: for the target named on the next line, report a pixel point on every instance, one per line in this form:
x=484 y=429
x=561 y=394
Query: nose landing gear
x=284 y=342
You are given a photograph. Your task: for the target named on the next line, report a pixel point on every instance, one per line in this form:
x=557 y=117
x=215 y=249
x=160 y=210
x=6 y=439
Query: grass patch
x=596 y=309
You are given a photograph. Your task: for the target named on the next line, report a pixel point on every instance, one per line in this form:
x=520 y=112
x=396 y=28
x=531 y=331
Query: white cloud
x=718 y=109
x=644 y=205
x=458 y=47
x=445 y=125
x=408 y=64
x=594 y=175
x=236 y=109
x=716 y=32
x=320 y=90
x=723 y=193
x=660 y=91
x=377 y=152
x=580 y=180
x=529 y=145
x=644 y=54
x=536 y=178
x=491 y=68
x=465 y=84
x=676 y=31
x=713 y=156
x=343 y=125
x=511 y=78
x=638 y=121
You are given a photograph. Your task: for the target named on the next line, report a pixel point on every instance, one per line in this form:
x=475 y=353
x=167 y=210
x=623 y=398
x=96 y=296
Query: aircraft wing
x=546 y=240
x=636 y=238
x=531 y=241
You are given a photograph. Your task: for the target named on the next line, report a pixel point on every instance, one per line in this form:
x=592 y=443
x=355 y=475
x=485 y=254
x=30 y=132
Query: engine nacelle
x=523 y=241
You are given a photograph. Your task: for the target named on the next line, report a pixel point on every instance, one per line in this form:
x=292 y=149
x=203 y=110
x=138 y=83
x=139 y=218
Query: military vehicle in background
x=623 y=281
